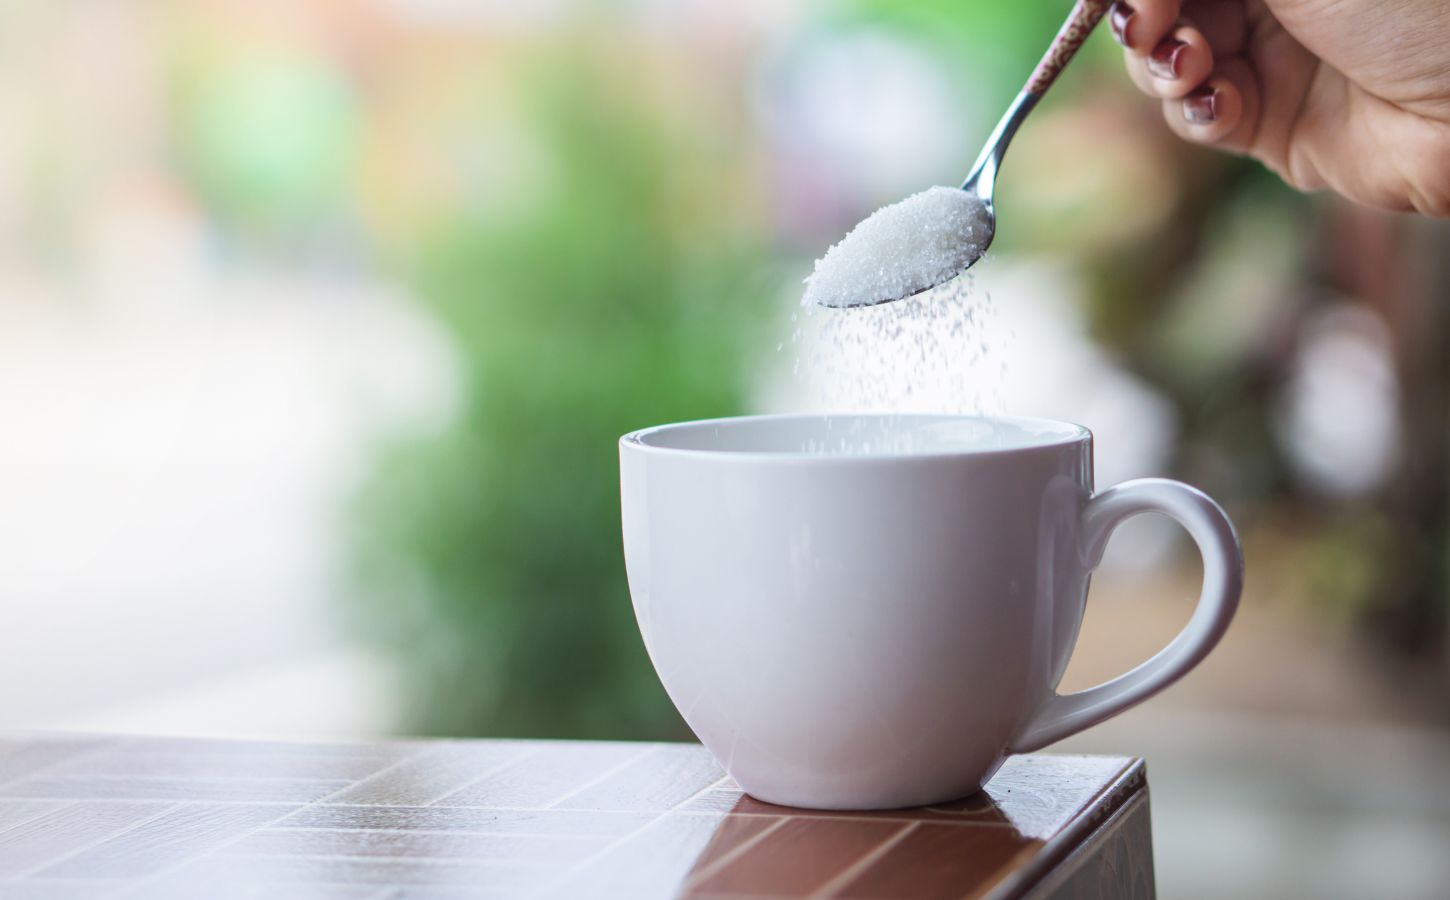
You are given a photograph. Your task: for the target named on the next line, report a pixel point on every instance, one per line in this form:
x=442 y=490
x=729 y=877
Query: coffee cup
x=868 y=612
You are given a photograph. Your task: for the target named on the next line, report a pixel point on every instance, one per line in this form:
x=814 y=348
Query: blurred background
x=318 y=323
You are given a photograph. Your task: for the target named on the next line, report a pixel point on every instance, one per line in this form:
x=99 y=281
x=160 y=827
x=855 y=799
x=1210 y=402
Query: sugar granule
x=936 y=352
x=922 y=241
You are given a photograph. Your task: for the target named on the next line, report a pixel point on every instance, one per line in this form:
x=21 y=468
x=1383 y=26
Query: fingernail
x=1119 y=19
x=1163 y=61
x=1201 y=106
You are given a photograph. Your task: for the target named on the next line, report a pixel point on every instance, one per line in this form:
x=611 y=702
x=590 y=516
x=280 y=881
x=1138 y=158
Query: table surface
x=164 y=817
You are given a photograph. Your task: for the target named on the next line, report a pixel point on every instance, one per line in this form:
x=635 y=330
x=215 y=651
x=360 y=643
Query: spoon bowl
x=981 y=183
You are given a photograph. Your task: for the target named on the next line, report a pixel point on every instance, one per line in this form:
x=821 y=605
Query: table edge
x=1130 y=781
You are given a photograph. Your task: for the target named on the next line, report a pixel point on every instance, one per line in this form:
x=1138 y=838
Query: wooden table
x=165 y=817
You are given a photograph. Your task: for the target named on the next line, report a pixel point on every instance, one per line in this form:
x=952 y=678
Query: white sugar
x=922 y=241
x=936 y=352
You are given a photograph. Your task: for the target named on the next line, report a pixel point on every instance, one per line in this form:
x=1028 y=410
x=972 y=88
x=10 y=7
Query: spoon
x=982 y=181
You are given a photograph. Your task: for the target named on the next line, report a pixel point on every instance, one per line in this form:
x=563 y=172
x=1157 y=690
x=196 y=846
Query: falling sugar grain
x=933 y=352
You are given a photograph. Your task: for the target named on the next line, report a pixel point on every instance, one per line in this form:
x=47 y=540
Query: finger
x=1222 y=23
x=1180 y=62
x=1223 y=112
x=1139 y=25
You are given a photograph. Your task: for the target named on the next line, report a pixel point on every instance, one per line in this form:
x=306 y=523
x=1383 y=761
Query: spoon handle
x=1080 y=22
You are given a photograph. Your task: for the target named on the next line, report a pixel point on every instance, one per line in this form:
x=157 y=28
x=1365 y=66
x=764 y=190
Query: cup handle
x=1223 y=581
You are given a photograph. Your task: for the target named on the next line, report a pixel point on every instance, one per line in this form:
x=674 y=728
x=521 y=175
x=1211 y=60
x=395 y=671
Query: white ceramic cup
x=865 y=612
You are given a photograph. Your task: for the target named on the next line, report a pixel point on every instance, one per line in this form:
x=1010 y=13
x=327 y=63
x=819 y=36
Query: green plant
x=490 y=554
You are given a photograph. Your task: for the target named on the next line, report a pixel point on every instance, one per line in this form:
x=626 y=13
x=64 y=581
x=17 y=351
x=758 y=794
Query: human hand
x=1353 y=95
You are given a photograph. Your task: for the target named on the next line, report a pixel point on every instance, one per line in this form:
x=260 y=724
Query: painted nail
x=1120 y=18
x=1163 y=61
x=1201 y=106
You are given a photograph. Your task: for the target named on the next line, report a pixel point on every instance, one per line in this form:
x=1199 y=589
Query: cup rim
x=1072 y=433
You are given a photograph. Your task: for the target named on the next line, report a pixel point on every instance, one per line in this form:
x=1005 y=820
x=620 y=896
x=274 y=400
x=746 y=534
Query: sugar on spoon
x=932 y=237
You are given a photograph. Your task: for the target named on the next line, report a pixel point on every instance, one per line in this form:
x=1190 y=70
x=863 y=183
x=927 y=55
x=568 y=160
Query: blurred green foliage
x=619 y=298
x=994 y=46
x=268 y=138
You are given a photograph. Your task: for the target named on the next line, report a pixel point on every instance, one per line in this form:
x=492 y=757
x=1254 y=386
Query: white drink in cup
x=866 y=612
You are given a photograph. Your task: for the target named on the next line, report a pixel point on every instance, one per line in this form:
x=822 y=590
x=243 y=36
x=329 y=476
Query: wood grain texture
x=17 y=812
x=185 y=888
x=659 y=781
x=67 y=830
x=1114 y=863
x=801 y=856
x=547 y=777
x=421 y=845
x=491 y=821
x=77 y=890
x=504 y=878
x=1039 y=794
x=431 y=774
x=169 y=839
x=731 y=837
x=162 y=817
x=138 y=787
x=20 y=757
x=935 y=860
x=653 y=862
x=237 y=764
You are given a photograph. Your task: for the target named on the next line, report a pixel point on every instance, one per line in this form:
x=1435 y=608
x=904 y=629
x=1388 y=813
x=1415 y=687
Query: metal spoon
x=982 y=180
